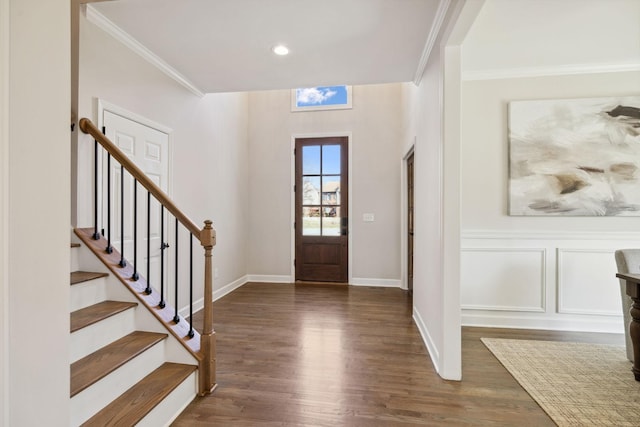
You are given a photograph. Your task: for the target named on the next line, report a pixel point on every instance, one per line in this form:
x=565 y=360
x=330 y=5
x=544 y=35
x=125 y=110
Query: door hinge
x=294 y=151
x=294 y=188
x=294 y=225
x=294 y=262
x=104 y=130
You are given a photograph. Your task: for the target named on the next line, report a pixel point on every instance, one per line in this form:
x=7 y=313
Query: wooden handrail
x=89 y=128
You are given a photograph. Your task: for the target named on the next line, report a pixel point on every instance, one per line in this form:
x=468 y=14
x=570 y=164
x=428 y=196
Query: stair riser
x=169 y=409
x=75 y=259
x=88 y=293
x=89 y=401
x=87 y=340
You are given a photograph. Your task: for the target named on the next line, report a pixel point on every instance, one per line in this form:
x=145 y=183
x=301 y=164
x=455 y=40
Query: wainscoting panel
x=503 y=279
x=558 y=280
x=587 y=283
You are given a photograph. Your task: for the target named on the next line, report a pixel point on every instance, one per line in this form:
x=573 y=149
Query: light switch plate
x=368 y=217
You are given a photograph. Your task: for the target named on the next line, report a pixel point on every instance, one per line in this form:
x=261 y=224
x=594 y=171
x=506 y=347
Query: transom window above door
x=321 y=98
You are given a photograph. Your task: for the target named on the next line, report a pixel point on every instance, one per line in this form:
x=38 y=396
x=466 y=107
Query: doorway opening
x=410 y=218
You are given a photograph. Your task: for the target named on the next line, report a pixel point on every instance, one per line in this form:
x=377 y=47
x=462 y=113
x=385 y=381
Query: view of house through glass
x=321 y=177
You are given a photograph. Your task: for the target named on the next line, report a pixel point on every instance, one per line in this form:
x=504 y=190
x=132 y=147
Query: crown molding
x=608 y=236
x=560 y=70
x=123 y=37
x=443 y=7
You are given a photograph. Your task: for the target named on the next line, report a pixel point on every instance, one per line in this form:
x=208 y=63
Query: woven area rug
x=576 y=384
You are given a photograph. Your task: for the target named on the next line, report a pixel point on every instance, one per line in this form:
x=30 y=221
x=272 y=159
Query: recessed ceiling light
x=280 y=50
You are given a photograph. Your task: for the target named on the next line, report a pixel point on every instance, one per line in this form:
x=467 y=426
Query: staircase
x=127 y=367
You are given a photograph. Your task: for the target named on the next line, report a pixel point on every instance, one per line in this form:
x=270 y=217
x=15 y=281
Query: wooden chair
x=628 y=261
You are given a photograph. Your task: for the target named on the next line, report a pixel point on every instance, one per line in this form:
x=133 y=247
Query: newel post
x=208 y=336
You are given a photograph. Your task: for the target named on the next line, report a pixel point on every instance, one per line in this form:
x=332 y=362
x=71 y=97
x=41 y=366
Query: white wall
x=431 y=126
x=539 y=272
x=209 y=144
x=34 y=197
x=374 y=126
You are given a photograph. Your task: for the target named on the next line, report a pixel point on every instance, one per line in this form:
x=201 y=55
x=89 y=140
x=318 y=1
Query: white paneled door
x=149 y=150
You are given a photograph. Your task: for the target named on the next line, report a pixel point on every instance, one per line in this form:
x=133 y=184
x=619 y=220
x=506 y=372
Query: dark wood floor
x=351 y=356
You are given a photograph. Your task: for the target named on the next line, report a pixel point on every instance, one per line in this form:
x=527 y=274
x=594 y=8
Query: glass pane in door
x=331 y=160
x=311 y=221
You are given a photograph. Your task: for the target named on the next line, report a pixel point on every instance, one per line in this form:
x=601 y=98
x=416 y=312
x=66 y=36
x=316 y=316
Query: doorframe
x=4 y=210
x=404 y=212
x=100 y=107
x=292 y=210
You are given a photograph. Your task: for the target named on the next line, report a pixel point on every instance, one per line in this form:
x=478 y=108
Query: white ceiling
x=577 y=33
x=225 y=45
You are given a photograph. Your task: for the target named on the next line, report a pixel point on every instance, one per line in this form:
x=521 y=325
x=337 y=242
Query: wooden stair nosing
x=164 y=315
x=134 y=404
x=84 y=276
x=89 y=315
x=97 y=365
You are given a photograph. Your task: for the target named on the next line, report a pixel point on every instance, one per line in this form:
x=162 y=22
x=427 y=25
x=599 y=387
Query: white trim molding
x=269 y=278
x=382 y=283
x=562 y=286
x=443 y=7
x=4 y=210
x=542 y=282
x=559 y=70
x=103 y=106
x=575 y=323
x=217 y=294
x=581 y=292
x=432 y=348
x=106 y=25
x=549 y=235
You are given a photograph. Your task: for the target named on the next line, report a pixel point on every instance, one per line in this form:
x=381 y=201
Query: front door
x=322 y=210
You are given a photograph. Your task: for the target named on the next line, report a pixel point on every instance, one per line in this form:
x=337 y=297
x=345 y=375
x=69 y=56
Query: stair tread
x=84 y=276
x=139 y=400
x=97 y=312
x=189 y=338
x=100 y=363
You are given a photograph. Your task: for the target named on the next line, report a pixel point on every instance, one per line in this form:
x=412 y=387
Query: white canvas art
x=575 y=157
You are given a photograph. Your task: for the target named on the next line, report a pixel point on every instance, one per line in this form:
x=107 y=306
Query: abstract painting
x=575 y=157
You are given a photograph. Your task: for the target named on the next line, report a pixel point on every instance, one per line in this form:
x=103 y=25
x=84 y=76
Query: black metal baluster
x=176 y=318
x=96 y=235
x=191 y=333
x=163 y=246
x=135 y=275
x=109 y=248
x=148 y=289
x=122 y=262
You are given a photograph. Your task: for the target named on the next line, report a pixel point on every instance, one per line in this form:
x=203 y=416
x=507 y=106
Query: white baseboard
x=608 y=324
x=385 y=283
x=426 y=338
x=266 y=278
x=230 y=287
x=217 y=294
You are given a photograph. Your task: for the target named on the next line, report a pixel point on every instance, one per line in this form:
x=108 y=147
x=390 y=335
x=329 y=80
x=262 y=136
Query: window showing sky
x=321 y=96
